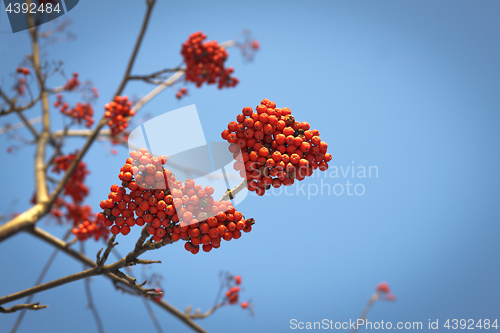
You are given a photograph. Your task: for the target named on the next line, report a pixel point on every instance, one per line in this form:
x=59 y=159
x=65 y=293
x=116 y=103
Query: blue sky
x=408 y=87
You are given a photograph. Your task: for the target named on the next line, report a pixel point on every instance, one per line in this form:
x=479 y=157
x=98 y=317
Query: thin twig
x=367 y=308
x=38 y=281
x=154 y=75
x=206 y=314
x=138 y=42
x=230 y=194
x=8 y=128
x=90 y=299
x=12 y=104
x=28 y=124
x=103 y=120
x=111 y=244
x=170 y=81
x=54 y=241
x=33 y=306
x=149 y=309
x=152 y=315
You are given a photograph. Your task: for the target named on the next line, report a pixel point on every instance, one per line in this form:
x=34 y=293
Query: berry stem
x=367 y=308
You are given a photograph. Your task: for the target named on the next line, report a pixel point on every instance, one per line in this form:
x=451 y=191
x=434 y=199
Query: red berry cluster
x=183 y=91
x=72 y=83
x=205 y=62
x=75 y=187
x=232 y=294
x=82 y=218
x=88 y=229
x=78 y=213
x=24 y=71
x=57 y=213
x=118 y=111
x=81 y=112
x=383 y=288
x=176 y=211
x=84 y=221
x=255 y=45
x=275 y=148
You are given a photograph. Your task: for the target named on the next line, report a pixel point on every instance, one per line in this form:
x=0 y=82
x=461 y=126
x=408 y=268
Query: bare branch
x=103 y=120
x=198 y=315
x=154 y=75
x=40 y=180
x=91 y=305
x=90 y=299
x=8 y=128
x=111 y=244
x=170 y=81
x=12 y=104
x=33 y=306
x=45 y=236
x=152 y=315
x=230 y=194
x=82 y=133
x=38 y=281
x=28 y=124
x=136 y=47
x=97 y=269
x=130 y=282
x=367 y=308
x=149 y=309
x=22 y=221
x=48 y=285
x=182 y=316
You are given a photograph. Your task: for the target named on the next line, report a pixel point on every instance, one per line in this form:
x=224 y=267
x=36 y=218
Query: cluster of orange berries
x=78 y=213
x=75 y=187
x=86 y=225
x=20 y=85
x=72 y=83
x=117 y=111
x=24 y=71
x=183 y=91
x=275 y=148
x=205 y=62
x=232 y=294
x=82 y=218
x=383 y=288
x=88 y=229
x=81 y=112
x=56 y=209
x=172 y=212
